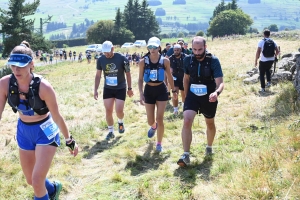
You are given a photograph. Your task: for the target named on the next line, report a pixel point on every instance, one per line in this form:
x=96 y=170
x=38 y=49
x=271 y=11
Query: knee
x=160 y=120
x=187 y=123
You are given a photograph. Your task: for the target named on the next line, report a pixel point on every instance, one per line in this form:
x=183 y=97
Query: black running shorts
x=114 y=93
x=200 y=104
x=155 y=93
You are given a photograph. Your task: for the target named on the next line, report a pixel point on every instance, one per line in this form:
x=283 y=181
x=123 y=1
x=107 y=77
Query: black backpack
x=269 y=48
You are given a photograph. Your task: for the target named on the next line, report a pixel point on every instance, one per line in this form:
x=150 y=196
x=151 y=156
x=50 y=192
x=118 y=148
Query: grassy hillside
x=257 y=143
x=282 y=13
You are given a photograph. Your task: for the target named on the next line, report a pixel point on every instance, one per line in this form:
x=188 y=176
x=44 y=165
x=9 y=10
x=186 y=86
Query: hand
x=130 y=93
x=142 y=99
x=96 y=95
x=213 y=97
x=73 y=147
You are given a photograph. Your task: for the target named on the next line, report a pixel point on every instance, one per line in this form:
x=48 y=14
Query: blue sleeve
x=186 y=64
x=216 y=67
x=170 y=52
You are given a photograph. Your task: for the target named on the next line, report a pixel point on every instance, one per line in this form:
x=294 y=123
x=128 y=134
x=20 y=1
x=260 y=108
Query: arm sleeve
x=216 y=67
x=126 y=64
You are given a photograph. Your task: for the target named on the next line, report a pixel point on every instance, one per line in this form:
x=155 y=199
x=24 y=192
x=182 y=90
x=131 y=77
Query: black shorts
x=200 y=105
x=114 y=93
x=179 y=83
x=155 y=93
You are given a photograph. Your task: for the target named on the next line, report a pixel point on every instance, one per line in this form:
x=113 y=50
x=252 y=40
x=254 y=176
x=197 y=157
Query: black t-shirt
x=114 y=70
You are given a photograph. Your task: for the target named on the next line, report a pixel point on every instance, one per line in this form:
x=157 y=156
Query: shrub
x=200 y=33
x=160 y=12
x=5 y=71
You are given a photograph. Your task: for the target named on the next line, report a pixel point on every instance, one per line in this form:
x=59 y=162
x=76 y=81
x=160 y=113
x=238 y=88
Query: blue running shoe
x=58 y=188
x=159 y=148
x=110 y=135
x=151 y=132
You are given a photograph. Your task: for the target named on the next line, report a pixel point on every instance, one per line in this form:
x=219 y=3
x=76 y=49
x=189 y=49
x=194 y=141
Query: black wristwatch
x=218 y=93
x=129 y=88
x=173 y=91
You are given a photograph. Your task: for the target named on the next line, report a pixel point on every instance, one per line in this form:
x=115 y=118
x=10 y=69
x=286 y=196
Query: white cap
x=154 y=41
x=177 y=46
x=106 y=46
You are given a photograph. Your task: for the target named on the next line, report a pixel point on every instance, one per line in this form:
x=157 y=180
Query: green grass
x=257 y=142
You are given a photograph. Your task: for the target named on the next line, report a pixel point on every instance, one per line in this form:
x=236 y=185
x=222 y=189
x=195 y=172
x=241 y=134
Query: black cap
x=168 y=44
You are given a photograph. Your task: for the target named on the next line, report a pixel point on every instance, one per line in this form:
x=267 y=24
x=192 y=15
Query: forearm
x=140 y=84
x=97 y=82
x=170 y=81
x=60 y=122
x=128 y=79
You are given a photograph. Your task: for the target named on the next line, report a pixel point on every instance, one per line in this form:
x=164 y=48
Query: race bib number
x=153 y=75
x=49 y=128
x=198 y=89
x=111 y=81
x=174 y=78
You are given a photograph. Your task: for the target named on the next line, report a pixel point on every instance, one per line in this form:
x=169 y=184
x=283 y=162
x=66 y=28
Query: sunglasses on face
x=152 y=47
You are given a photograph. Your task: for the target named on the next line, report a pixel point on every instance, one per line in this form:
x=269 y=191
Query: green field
x=282 y=13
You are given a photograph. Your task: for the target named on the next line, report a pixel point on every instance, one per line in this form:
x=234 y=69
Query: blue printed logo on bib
x=199 y=90
x=49 y=128
x=111 y=81
x=153 y=75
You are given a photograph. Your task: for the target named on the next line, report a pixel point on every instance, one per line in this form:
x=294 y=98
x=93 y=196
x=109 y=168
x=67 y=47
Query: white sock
x=209 y=146
x=175 y=109
x=186 y=153
x=110 y=129
x=120 y=120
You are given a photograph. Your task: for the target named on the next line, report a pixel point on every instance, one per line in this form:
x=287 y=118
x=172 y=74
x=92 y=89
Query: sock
x=50 y=187
x=158 y=143
x=209 y=146
x=186 y=153
x=153 y=126
x=46 y=197
x=120 y=120
x=111 y=129
x=175 y=109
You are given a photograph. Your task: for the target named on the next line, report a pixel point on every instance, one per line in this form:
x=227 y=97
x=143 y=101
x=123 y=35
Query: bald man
x=203 y=83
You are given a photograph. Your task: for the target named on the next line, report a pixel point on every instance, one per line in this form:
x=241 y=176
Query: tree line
x=52 y=26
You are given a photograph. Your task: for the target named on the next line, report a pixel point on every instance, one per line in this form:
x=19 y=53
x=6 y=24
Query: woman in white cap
x=39 y=121
x=152 y=69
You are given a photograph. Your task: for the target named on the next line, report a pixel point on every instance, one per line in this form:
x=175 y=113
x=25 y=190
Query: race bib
x=198 y=89
x=153 y=75
x=174 y=78
x=111 y=81
x=49 y=128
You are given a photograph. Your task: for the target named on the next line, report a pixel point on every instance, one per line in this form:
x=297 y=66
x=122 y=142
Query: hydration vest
x=204 y=73
x=159 y=67
x=36 y=103
x=176 y=68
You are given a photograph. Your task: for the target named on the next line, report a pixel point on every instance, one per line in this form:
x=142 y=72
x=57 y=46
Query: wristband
x=218 y=93
x=129 y=88
x=71 y=143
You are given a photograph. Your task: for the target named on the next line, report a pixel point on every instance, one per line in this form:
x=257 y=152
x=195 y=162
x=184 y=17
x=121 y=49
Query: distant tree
x=154 y=3
x=230 y=22
x=222 y=7
x=179 y=2
x=14 y=23
x=160 y=12
x=100 y=31
x=273 y=27
x=140 y=20
x=200 y=33
x=180 y=35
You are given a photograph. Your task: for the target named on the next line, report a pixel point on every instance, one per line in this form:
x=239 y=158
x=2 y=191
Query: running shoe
x=268 y=84
x=151 y=132
x=110 y=135
x=58 y=188
x=159 y=148
x=184 y=160
x=121 y=128
x=208 y=151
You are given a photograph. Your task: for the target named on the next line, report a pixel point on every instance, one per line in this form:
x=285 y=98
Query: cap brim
x=153 y=44
x=18 y=64
x=106 y=50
